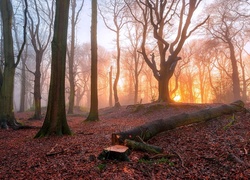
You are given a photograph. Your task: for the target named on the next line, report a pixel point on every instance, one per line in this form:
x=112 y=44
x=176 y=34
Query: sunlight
x=121 y=83
x=177 y=98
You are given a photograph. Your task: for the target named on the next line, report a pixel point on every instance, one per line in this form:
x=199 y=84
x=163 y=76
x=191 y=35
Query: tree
x=116 y=9
x=44 y=18
x=23 y=82
x=55 y=121
x=24 y=57
x=134 y=62
x=93 y=114
x=71 y=55
x=163 y=16
x=226 y=25
x=7 y=117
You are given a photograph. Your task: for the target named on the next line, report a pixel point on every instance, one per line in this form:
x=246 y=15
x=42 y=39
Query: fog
x=203 y=75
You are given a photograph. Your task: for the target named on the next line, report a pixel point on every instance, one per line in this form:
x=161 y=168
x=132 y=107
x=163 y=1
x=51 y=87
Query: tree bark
x=143 y=146
x=55 y=121
x=93 y=114
x=110 y=88
x=23 y=85
x=148 y=130
x=7 y=117
x=71 y=61
x=37 y=85
x=118 y=58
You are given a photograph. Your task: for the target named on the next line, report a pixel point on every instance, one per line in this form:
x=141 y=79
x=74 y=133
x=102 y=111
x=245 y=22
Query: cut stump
x=116 y=152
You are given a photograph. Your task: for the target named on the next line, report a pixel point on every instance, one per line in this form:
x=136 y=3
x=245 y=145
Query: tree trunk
x=166 y=72
x=37 y=86
x=23 y=86
x=117 y=103
x=93 y=114
x=148 y=130
x=7 y=117
x=235 y=74
x=55 y=121
x=71 y=61
x=110 y=88
x=136 y=86
x=163 y=89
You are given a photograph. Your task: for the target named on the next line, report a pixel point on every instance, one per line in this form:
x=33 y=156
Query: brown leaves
x=199 y=151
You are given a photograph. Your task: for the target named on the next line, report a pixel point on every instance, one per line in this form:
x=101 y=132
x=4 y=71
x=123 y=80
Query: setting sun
x=177 y=98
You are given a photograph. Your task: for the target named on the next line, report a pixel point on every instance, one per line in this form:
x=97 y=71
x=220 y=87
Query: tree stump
x=116 y=152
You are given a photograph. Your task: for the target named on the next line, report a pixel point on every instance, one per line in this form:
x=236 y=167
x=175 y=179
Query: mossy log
x=142 y=146
x=148 y=130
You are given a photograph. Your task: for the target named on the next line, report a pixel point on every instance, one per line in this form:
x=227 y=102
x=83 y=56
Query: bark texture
x=148 y=130
x=7 y=118
x=55 y=121
x=93 y=114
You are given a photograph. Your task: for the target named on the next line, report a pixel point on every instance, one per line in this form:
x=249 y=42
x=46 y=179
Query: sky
x=105 y=36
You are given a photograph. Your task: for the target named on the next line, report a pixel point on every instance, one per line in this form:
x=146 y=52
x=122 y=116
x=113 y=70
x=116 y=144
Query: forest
x=123 y=89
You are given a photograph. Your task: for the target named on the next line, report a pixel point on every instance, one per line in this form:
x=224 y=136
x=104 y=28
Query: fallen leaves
x=201 y=151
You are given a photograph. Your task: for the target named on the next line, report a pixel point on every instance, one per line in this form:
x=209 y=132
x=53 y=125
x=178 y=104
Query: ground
x=216 y=149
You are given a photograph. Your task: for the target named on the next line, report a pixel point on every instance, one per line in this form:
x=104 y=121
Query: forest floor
x=216 y=149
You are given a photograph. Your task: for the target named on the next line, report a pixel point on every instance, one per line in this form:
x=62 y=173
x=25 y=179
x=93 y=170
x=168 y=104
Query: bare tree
x=24 y=56
x=163 y=17
x=7 y=117
x=55 y=121
x=71 y=54
x=225 y=25
x=115 y=9
x=134 y=61
x=44 y=13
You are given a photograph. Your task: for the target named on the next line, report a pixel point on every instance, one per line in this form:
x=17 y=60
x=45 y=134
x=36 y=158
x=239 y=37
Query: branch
x=29 y=70
x=24 y=34
x=78 y=12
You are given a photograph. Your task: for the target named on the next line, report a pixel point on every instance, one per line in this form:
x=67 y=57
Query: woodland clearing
x=215 y=149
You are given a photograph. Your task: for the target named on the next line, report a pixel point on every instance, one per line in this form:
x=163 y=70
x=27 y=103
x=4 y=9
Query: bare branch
x=24 y=34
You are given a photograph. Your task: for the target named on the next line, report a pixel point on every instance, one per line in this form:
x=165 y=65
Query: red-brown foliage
x=210 y=150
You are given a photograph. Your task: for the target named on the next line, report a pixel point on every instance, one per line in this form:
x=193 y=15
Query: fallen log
x=148 y=130
x=142 y=146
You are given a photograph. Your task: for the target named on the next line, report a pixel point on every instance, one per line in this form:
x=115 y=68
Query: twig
x=245 y=149
x=234 y=158
x=52 y=152
x=162 y=155
x=182 y=162
x=141 y=140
